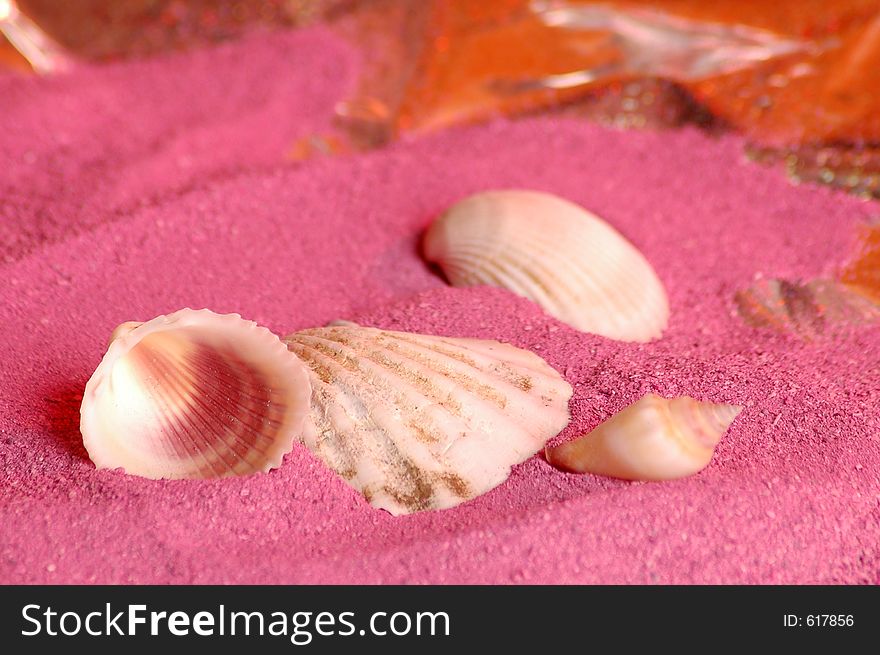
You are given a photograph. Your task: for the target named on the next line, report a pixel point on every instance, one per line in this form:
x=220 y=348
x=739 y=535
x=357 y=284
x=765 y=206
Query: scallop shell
x=655 y=438
x=417 y=422
x=194 y=394
x=570 y=262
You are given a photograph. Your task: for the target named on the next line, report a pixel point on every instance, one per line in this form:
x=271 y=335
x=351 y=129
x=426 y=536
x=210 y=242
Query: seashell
x=194 y=394
x=573 y=264
x=862 y=272
x=655 y=438
x=806 y=309
x=417 y=422
x=809 y=308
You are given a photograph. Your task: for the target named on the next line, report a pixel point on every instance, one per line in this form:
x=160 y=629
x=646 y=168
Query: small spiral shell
x=655 y=438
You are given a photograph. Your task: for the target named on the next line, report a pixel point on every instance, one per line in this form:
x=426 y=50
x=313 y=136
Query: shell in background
x=655 y=438
x=418 y=422
x=194 y=394
x=806 y=309
x=572 y=263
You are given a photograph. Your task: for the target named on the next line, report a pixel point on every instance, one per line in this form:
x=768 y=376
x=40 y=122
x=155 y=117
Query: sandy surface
x=136 y=189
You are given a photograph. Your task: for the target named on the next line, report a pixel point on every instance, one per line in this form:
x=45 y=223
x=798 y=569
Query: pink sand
x=135 y=189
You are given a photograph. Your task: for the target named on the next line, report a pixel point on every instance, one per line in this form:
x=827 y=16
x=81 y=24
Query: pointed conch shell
x=569 y=261
x=655 y=438
x=417 y=422
x=194 y=394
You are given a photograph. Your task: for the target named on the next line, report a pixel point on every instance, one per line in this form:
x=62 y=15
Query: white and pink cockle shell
x=194 y=394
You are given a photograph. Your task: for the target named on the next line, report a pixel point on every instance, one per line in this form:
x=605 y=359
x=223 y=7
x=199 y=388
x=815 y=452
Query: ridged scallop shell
x=417 y=422
x=194 y=394
x=569 y=261
x=655 y=438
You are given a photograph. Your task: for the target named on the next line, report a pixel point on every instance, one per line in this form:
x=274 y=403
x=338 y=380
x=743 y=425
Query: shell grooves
x=420 y=382
x=215 y=400
x=169 y=425
x=213 y=396
x=194 y=394
x=417 y=422
x=555 y=253
x=192 y=403
x=399 y=398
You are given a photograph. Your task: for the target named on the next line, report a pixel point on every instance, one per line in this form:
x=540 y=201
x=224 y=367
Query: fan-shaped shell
x=569 y=261
x=418 y=422
x=194 y=394
x=655 y=438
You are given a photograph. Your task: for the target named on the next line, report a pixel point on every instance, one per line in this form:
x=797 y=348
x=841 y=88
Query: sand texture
x=132 y=190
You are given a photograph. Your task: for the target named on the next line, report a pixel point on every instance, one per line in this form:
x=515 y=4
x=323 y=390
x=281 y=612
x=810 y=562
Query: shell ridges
x=417 y=422
x=570 y=262
x=194 y=394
